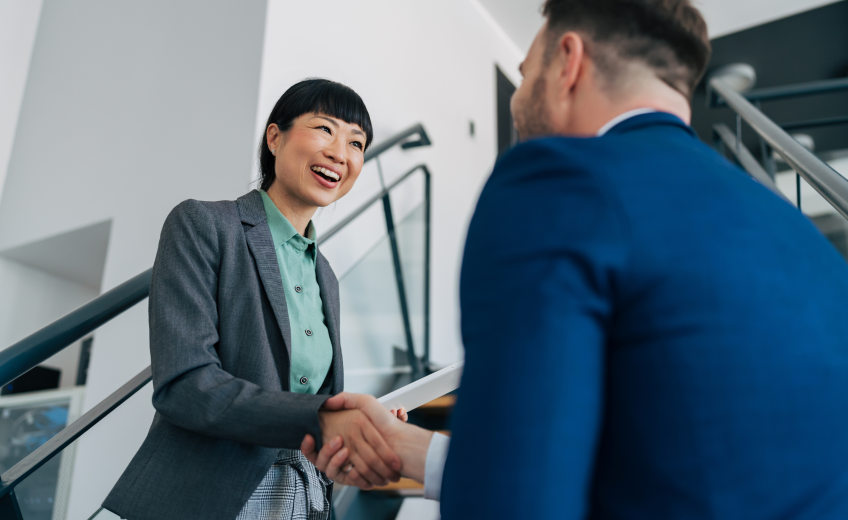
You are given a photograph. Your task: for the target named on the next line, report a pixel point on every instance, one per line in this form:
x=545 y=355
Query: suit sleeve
x=191 y=390
x=543 y=251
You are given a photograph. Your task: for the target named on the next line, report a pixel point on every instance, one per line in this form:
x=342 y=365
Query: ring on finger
x=348 y=468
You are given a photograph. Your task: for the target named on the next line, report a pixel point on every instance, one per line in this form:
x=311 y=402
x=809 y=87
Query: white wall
x=18 y=23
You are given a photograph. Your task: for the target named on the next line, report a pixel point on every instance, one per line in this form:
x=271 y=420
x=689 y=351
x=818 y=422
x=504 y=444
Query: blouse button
x=304 y=380
x=297 y=288
x=308 y=332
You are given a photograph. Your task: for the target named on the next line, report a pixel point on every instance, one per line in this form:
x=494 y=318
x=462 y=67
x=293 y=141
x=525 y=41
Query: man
x=649 y=333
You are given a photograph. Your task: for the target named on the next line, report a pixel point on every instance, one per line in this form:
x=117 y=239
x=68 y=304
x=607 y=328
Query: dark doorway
x=507 y=136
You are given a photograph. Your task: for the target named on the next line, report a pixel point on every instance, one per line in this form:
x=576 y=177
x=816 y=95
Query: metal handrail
x=29 y=352
x=824 y=179
x=786 y=91
x=25 y=467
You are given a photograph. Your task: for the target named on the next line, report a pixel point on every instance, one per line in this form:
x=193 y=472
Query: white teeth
x=329 y=173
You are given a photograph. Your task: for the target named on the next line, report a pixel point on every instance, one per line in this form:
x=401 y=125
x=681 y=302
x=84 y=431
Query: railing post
x=404 y=308
x=9 y=509
x=427 y=215
x=738 y=133
x=765 y=151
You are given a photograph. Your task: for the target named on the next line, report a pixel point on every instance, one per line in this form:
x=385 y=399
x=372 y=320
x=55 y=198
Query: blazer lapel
x=330 y=300
x=262 y=246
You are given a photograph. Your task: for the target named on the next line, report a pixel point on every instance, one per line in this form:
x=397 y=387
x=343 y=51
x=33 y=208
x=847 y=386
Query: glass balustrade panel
x=409 y=211
x=73 y=483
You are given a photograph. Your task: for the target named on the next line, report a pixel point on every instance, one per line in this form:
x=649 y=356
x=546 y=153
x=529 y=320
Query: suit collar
x=251 y=209
x=329 y=287
x=623 y=117
x=641 y=121
x=259 y=240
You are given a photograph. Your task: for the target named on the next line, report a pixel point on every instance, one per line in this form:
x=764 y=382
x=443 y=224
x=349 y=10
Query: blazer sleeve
x=190 y=389
x=536 y=293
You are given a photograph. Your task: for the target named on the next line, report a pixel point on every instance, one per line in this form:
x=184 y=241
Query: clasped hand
x=352 y=436
x=355 y=429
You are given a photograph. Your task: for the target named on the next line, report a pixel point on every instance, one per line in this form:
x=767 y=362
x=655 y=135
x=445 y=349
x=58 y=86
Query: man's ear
x=570 y=56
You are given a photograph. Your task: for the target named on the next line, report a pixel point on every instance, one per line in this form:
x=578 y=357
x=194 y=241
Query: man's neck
x=600 y=109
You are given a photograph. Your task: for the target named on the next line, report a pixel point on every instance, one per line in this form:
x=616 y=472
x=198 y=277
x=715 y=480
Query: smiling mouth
x=327 y=174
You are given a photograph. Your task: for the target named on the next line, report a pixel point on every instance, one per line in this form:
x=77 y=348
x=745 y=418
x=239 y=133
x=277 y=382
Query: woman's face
x=318 y=160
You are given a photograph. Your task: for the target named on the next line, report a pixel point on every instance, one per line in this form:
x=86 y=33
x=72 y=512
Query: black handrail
x=29 y=352
x=39 y=346
x=715 y=99
x=814 y=123
x=370 y=202
x=402 y=138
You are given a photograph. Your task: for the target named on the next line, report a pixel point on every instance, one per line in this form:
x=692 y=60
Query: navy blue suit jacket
x=649 y=334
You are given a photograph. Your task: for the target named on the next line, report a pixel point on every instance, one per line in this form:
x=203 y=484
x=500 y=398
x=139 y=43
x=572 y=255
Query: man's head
x=594 y=59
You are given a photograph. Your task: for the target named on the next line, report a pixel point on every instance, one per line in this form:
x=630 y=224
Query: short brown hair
x=669 y=36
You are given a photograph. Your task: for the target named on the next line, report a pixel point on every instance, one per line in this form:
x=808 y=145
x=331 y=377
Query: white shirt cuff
x=435 y=465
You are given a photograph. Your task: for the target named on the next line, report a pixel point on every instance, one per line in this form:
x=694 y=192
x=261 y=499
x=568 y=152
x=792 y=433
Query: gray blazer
x=220 y=345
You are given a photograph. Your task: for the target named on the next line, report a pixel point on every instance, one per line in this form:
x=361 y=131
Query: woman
x=244 y=335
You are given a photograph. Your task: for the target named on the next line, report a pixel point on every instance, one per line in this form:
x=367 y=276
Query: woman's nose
x=335 y=151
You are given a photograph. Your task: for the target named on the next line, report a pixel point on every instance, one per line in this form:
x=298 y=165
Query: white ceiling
x=520 y=20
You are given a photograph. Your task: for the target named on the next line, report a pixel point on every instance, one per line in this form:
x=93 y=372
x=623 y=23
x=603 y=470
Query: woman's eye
x=357 y=144
x=325 y=128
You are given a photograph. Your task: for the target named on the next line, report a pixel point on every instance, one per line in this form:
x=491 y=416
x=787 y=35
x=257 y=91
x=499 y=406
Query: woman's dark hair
x=320 y=96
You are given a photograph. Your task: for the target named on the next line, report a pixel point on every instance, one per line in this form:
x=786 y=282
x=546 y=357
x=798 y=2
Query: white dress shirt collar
x=623 y=117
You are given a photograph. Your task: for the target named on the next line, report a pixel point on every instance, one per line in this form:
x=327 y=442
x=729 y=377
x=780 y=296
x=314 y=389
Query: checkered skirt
x=292 y=489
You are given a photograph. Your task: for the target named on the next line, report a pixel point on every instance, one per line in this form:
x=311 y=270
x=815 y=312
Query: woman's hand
x=374 y=463
x=333 y=460
x=400 y=413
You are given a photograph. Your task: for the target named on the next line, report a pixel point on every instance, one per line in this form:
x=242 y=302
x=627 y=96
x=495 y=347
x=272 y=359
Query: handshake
x=365 y=445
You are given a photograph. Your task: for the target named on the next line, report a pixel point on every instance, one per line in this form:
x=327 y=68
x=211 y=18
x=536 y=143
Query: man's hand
x=374 y=462
x=408 y=441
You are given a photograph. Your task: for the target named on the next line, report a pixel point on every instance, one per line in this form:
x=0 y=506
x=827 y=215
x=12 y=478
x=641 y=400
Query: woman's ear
x=273 y=136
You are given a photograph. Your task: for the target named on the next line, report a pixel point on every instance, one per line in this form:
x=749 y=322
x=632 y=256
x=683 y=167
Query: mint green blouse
x=311 y=349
